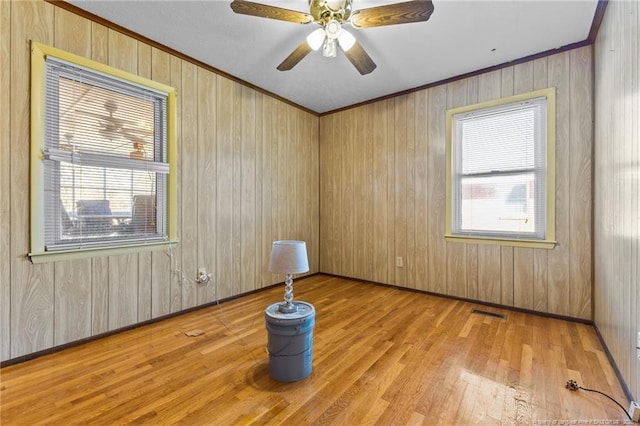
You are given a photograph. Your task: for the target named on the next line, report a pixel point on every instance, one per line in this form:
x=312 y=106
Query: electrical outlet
x=203 y=276
x=638 y=346
x=634 y=411
x=399 y=262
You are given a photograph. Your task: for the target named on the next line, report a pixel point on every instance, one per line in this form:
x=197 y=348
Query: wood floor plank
x=381 y=355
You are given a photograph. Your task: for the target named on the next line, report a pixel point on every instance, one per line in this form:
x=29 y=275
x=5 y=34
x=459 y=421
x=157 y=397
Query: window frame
x=38 y=254
x=548 y=242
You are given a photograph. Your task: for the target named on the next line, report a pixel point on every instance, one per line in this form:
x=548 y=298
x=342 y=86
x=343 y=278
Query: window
x=500 y=177
x=102 y=158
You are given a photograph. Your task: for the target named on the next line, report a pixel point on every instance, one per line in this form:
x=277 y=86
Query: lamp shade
x=289 y=257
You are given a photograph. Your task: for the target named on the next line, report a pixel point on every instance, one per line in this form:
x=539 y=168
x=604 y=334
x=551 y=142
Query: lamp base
x=287 y=308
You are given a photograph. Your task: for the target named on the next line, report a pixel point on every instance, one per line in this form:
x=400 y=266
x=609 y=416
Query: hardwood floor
x=380 y=356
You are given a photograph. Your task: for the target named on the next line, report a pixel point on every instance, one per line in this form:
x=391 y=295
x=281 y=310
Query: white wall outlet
x=634 y=411
x=399 y=262
x=638 y=346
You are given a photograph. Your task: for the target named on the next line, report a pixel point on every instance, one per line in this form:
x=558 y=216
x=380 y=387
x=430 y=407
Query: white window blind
x=499 y=175
x=105 y=160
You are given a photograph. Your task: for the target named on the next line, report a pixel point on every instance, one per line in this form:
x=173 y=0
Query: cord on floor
x=572 y=385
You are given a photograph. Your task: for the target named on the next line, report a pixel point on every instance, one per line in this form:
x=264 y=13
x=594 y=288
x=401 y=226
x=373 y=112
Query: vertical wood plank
x=380 y=194
x=5 y=180
x=436 y=247
x=236 y=192
x=523 y=277
x=421 y=191
x=72 y=33
x=99 y=295
x=581 y=146
x=32 y=294
x=507 y=276
x=161 y=274
x=248 y=195
x=72 y=305
x=224 y=201
x=205 y=157
x=73 y=288
x=523 y=78
x=347 y=196
x=267 y=184
x=489 y=86
x=472 y=249
x=391 y=189
x=540 y=256
x=456 y=252
x=507 y=266
x=367 y=171
x=523 y=258
x=400 y=188
x=489 y=256
x=99 y=265
x=123 y=269
x=189 y=174
x=261 y=246
x=325 y=191
x=541 y=73
x=313 y=185
x=175 y=256
x=558 y=284
x=123 y=291
x=540 y=292
x=410 y=246
x=359 y=190
x=145 y=279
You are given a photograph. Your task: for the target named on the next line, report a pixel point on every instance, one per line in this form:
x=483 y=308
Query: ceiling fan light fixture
x=315 y=39
x=346 y=40
x=329 y=48
x=333 y=29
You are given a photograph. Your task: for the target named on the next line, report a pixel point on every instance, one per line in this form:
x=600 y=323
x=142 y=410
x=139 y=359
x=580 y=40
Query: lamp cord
x=222 y=317
x=574 y=386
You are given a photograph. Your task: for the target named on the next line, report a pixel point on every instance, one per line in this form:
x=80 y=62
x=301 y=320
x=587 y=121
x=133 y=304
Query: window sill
x=55 y=256
x=541 y=244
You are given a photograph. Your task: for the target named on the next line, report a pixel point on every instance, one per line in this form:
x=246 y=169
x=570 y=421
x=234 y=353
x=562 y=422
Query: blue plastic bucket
x=290 y=341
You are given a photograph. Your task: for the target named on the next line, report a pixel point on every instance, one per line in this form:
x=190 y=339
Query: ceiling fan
x=112 y=127
x=332 y=15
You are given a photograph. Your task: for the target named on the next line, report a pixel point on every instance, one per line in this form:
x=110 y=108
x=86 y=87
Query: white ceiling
x=460 y=37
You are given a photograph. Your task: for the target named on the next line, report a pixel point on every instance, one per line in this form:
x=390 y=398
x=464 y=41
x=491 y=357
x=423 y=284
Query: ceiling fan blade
x=296 y=56
x=360 y=59
x=392 y=14
x=265 y=11
x=136 y=131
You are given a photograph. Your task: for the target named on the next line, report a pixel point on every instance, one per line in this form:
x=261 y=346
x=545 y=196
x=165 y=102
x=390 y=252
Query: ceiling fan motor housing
x=324 y=11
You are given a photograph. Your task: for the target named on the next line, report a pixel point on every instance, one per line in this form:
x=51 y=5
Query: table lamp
x=288 y=257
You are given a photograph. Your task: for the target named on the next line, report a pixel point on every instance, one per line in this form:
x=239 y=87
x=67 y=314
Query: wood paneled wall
x=617 y=186
x=382 y=192
x=248 y=174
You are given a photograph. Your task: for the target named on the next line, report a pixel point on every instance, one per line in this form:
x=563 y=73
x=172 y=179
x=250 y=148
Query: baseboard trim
x=616 y=370
x=475 y=301
x=75 y=343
